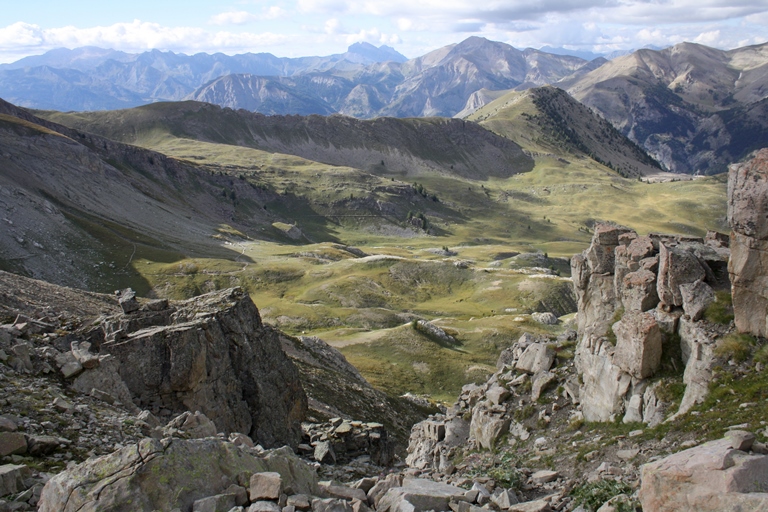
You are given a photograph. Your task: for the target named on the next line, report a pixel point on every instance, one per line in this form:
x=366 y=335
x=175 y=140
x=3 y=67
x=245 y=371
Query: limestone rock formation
x=210 y=354
x=720 y=476
x=747 y=212
x=643 y=289
x=168 y=474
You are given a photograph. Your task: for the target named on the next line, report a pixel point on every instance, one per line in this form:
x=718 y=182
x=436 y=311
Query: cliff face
x=635 y=293
x=747 y=213
x=210 y=354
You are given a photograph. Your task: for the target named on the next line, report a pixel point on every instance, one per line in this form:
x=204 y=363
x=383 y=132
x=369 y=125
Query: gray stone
x=741 y=440
x=329 y=490
x=747 y=211
x=217 y=503
x=324 y=452
x=707 y=478
x=331 y=505
x=677 y=266
x=190 y=426
x=127 y=300
x=265 y=506
x=505 y=499
x=697 y=297
x=7 y=424
x=418 y=495
x=12 y=478
x=537 y=358
x=634 y=411
x=497 y=395
x=639 y=291
x=487 y=426
x=43 y=445
x=638 y=344
x=71 y=369
x=83 y=355
x=545 y=476
x=12 y=443
x=540 y=382
x=265 y=486
x=299 y=501
x=545 y=318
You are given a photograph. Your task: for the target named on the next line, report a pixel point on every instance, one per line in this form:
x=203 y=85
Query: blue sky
x=294 y=28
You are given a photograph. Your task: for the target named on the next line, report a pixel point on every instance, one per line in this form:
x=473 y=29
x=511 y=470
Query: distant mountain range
x=693 y=108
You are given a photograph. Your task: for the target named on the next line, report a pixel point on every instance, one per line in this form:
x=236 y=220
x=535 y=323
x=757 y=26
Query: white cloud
x=333 y=26
x=233 y=18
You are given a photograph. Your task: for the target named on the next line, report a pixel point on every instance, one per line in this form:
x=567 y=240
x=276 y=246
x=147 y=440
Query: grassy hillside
x=356 y=254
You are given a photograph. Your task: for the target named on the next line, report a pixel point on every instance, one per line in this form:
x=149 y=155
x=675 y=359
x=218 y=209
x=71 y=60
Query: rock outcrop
x=726 y=475
x=747 y=213
x=210 y=354
x=635 y=292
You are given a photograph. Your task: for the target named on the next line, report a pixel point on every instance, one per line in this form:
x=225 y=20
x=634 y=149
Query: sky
x=296 y=28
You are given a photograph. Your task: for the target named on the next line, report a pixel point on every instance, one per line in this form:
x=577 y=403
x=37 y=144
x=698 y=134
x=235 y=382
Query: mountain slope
x=673 y=102
x=409 y=147
x=547 y=119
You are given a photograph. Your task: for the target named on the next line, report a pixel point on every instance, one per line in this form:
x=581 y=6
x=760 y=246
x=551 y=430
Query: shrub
x=721 y=310
x=592 y=495
x=735 y=346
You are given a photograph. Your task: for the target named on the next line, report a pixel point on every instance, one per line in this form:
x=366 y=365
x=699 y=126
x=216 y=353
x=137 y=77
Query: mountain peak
x=367 y=53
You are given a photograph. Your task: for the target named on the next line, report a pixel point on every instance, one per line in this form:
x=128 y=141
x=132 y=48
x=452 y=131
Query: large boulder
x=604 y=384
x=417 y=495
x=710 y=477
x=211 y=354
x=747 y=214
x=166 y=475
x=638 y=344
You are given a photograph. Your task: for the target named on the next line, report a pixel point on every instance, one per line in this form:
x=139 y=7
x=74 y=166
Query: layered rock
x=210 y=354
x=633 y=291
x=722 y=476
x=747 y=213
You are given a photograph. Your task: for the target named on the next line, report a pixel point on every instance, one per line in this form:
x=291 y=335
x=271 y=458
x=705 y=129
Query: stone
x=331 y=505
x=83 y=355
x=604 y=384
x=638 y=344
x=265 y=486
x=62 y=405
x=697 y=297
x=747 y=212
x=264 y=506
x=299 y=501
x=420 y=495
x=22 y=361
x=505 y=499
x=634 y=411
x=628 y=454
x=127 y=300
x=677 y=267
x=104 y=383
x=7 y=424
x=382 y=487
x=545 y=318
x=545 y=476
x=709 y=477
x=329 y=490
x=71 y=369
x=531 y=506
x=213 y=355
x=324 y=453
x=190 y=426
x=217 y=503
x=12 y=443
x=487 y=426
x=540 y=382
x=639 y=291
x=537 y=358
x=12 y=478
x=43 y=445
x=741 y=440
x=497 y=395
x=191 y=469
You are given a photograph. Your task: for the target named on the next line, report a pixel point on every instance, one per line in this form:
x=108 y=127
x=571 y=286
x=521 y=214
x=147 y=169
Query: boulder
x=747 y=213
x=168 y=474
x=639 y=291
x=419 y=495
x=212 y=355
x=697 y=296
x=537 y=358
x=487 y=425
x=677 y=267
x=604 y=384
x=710 y=477
x=12 y=443
x=638 y=344
x=265 y=486
x=104 y=382
x=190 y=426
x=545 y=318
x=12 y=478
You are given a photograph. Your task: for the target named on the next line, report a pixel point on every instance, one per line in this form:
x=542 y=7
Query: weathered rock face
x=211 y=354
x=747 y=213
x=639 y=287
x=168 y=474
x=717 y=476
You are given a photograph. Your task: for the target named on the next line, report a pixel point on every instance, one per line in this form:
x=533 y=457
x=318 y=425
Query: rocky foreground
x=120 y=403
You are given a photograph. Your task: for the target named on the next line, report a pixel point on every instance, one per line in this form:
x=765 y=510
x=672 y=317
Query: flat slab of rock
x=419 y=495
x=710 y=477
x=545 y=476
x=537 y=358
